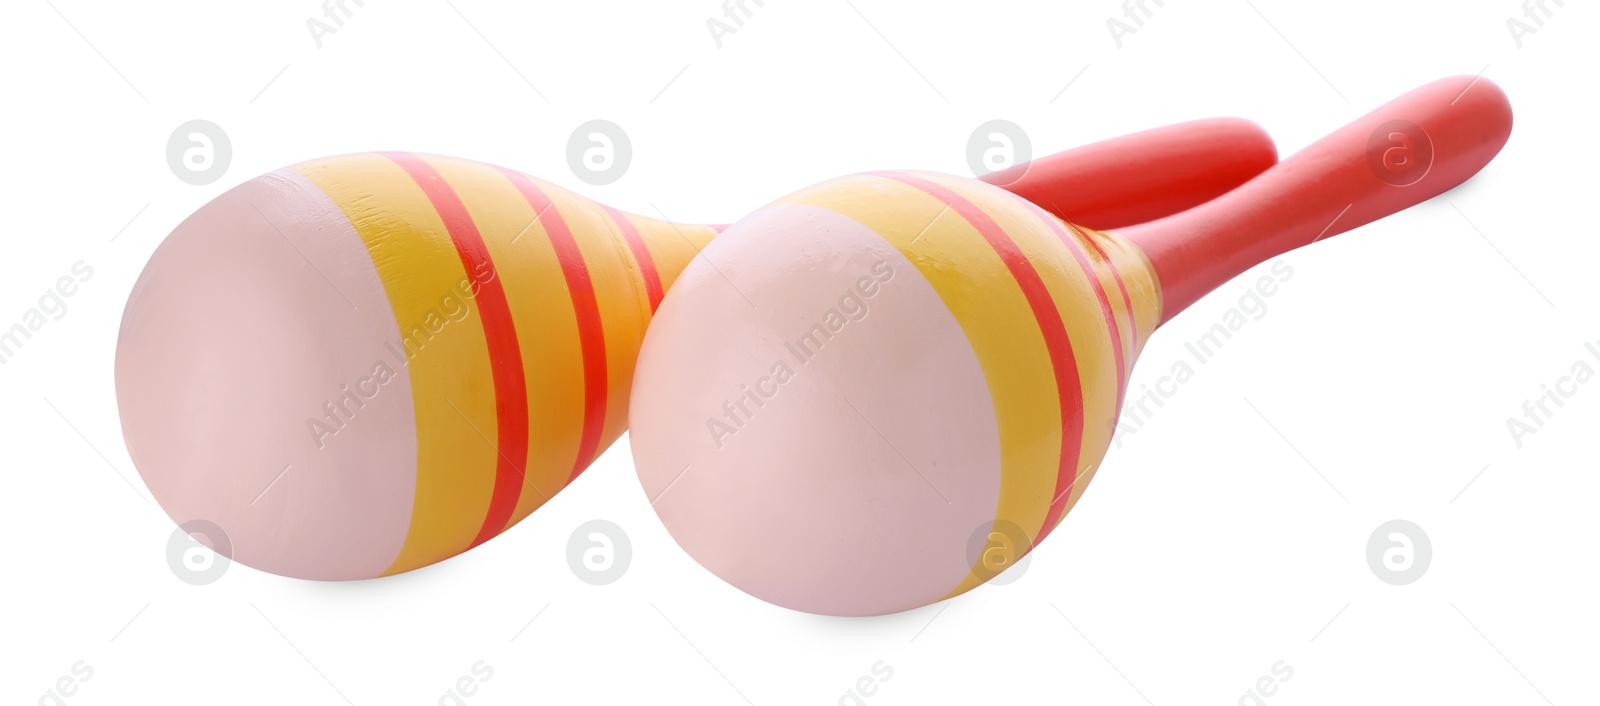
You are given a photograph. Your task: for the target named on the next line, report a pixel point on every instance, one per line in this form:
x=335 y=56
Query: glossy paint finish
x=260 y=308
x=1054 y=315
x=1435 y=137
x=977 y=386
x=502 y=315
x=772 y=415
x=1131 y=179
x=365 y=364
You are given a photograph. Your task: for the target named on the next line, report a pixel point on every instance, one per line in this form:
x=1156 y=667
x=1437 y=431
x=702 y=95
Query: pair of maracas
x=365 y=364
x=862 y=398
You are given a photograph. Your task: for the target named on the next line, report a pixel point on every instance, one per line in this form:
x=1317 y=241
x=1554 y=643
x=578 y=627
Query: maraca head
x=365 y=364
x=880 y=391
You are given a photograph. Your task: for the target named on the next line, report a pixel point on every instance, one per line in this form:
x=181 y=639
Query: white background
x=1207 y=550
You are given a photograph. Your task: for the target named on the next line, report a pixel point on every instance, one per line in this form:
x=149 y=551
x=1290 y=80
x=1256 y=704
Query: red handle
x=1413 y=148
x=1143 y=176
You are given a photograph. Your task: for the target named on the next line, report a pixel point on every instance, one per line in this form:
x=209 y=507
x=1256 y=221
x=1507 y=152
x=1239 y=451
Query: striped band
x=1054 y=314
x=521 y=307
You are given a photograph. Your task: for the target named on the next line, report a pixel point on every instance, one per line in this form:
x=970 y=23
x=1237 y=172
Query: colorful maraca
x=361 y=365
x=877 y=392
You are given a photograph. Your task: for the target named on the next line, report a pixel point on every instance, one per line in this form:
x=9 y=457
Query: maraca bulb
x=362 y=365
x=791 y=457
x=879 y=392
x=366 y=364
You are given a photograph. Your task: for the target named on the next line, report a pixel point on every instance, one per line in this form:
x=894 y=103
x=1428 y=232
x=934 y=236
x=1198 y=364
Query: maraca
x=877 y=392
x=361 y=365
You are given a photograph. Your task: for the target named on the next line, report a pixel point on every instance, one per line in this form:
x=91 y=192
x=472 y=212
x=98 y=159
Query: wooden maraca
x=361 y=365
x=876 y=393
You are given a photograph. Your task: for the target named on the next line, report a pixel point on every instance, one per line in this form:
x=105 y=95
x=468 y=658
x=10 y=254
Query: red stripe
x=1127 y=302
x=505 y=355
x=591 y=336
x=1059 y=346
x=641 y=255
x=1075 y=246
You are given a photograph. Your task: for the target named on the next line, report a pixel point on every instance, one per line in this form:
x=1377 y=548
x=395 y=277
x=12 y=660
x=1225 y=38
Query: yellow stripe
x=1076 y=300
x=541 y=311
x=991 y=309
x=619 y=293
x=1139 y=276
x=449 y=370
x=1145 y=294
x=672 y=245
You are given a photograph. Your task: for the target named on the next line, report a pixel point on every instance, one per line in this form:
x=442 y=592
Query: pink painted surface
x=841 y=493
x=257 y=310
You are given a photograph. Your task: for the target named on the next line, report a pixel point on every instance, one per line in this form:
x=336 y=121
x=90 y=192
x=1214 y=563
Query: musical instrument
x=361 y=365
x=877 y=392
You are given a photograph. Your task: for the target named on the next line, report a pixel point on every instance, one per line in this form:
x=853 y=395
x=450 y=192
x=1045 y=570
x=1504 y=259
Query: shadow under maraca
x=418 y=581
x=903 y=626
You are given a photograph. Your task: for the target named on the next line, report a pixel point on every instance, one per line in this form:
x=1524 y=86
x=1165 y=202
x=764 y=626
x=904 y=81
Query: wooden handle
x=1413 y=148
